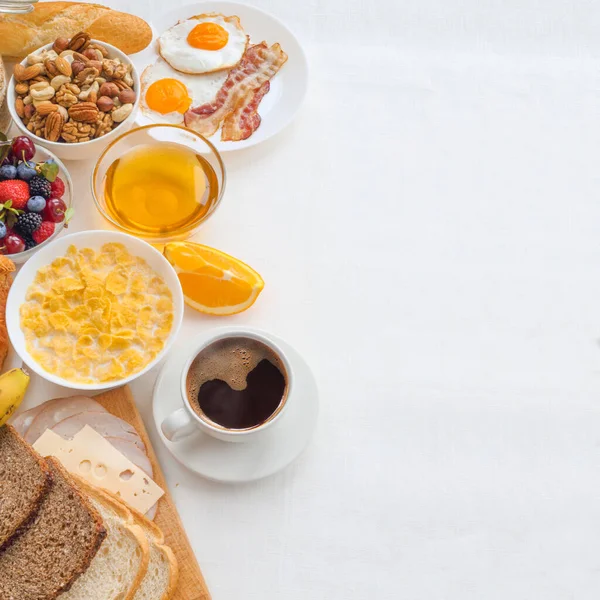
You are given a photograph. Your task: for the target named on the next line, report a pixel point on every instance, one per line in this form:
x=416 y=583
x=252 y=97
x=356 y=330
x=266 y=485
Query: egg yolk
x=208 y=36
x=168 y=95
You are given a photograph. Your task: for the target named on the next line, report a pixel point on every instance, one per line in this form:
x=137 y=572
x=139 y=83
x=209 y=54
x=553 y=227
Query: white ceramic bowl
x=41 y=155
x=88 y=239
x=82 y=150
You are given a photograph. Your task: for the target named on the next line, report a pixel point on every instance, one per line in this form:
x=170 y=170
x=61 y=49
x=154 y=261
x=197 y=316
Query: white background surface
x=428 y=232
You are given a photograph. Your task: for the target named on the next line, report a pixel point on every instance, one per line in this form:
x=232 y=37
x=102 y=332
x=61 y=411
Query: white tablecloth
x=428 y=230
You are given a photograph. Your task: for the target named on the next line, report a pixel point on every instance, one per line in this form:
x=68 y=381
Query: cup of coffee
x=235 y=385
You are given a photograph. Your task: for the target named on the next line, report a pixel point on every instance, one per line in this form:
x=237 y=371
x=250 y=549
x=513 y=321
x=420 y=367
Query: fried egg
x=166 y=94
x=204 y=43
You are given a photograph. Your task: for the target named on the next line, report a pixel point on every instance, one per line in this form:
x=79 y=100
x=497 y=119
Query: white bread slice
x=121 y=563
x=162 y=574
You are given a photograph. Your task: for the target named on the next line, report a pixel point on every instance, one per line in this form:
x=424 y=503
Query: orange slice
x=213 y=282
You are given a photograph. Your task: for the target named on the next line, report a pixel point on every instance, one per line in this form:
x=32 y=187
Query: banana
x=13 y=385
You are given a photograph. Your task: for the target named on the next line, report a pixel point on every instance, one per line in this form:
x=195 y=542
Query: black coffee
x=237 y=383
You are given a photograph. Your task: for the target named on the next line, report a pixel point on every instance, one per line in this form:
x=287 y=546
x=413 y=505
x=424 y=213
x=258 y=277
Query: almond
x=20 y=107
x=46 y=107
x=21 y=88
x=25 y=73
x=63 y=66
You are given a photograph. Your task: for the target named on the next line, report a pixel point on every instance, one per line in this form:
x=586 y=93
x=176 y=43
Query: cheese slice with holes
x=97 y=461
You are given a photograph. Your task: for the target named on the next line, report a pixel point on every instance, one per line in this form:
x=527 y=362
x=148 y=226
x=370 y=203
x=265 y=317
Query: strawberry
x=15 y=190
x=43 y=232
x=58 y=188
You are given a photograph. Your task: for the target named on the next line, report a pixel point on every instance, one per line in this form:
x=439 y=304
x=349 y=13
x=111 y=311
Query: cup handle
x=178 y=425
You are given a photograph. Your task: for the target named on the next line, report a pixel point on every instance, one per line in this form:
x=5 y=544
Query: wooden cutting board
x=191 y=584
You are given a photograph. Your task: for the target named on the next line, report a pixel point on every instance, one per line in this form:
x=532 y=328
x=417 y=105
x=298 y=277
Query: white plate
x=288 y=86
x=243 y=461
x=94 y=240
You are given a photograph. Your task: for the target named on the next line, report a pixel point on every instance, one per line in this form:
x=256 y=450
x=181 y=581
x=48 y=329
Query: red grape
x=23 y=148
x=55 y=210
x=14 y=243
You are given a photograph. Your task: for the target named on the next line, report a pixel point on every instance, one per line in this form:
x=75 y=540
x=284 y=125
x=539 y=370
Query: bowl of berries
x=36 y=194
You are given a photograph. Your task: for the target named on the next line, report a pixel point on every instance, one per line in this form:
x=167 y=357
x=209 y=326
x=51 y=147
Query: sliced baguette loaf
x=120 y=566
x=24 y=481
x=161 y=578
x=48 y=555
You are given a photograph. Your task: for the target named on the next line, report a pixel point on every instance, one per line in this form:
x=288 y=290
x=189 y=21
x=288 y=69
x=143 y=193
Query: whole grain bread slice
x=47 y=556
x=24 y=481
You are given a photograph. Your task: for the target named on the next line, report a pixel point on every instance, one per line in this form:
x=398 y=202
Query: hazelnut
x=127 y=96
x=29 y=111
x=93 y=54
x=109 y=89
x=105 y=104
x=60 y=45
x=77 y=66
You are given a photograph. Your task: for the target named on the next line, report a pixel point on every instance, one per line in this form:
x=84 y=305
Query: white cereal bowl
x=94 y=240
x=82 y=150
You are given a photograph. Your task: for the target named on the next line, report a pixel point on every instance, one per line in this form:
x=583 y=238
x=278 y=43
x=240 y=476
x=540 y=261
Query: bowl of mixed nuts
x=74 y=96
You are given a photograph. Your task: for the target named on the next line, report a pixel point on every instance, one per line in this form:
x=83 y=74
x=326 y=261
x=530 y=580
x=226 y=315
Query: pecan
x=60 y=45
x=37 y=124
x=51 y=68
x=121 y=84
x=74 y=131
x=79 y=42
x=25 y=73
x=81 y=58
x=22 y=88
x=20 y=107
x=46 y=107
x=87 y=76
x=54 y=126
x=96 y=64
x=86 y=112
x=104 y=124
x=63 y=66
x=67 y=95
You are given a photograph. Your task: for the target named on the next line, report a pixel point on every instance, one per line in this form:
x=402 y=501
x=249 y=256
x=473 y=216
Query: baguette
x=22 y=34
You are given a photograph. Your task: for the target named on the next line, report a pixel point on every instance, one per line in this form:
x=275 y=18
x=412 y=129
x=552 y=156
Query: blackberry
x=40 y=186
x=29 y=242
x=27 y=223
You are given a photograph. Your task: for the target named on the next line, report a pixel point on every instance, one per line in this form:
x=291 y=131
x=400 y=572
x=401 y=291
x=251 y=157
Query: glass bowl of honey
x=159 y=182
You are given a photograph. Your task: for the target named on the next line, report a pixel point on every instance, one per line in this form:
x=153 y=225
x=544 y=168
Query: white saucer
x=240 y=462
x=288 y=86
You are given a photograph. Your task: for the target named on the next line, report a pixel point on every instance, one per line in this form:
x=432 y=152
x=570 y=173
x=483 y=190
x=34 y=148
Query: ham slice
x=105 y=424
x=22 y=421
x=257 y=66
x=133 y=453
x=58 y=409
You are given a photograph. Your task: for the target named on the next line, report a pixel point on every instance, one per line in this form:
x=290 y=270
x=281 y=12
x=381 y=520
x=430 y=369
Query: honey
x=160 y=190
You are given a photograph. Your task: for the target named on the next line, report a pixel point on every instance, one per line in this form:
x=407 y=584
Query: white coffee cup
x=185 y=421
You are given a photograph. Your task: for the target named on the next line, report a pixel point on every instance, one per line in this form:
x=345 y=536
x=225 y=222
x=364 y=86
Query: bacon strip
x=257 y=66
x=244 y=120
